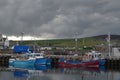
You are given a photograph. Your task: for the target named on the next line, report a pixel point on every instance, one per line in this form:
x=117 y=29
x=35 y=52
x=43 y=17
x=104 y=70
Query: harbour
x=109 y=71
x=24 y=62
x=59 y=40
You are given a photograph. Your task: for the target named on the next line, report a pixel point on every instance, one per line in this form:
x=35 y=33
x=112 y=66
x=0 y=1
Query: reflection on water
x=31 y=67
x=48 y=73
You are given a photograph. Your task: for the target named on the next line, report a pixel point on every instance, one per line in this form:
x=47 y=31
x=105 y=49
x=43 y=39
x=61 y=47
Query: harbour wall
x=4 y=61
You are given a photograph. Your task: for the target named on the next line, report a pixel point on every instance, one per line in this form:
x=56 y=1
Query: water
x=49 y=73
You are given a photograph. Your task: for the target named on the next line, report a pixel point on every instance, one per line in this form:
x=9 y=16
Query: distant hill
x=103 y=37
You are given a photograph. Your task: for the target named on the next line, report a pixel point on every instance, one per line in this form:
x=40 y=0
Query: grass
x=66 y=42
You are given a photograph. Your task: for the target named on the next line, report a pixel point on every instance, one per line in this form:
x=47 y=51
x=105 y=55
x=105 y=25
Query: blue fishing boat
x=23 y=58
x=26 y=67
x=42 y=67
x=43 y=61
x=11 y=61
x=102 y=62
x=24 y=62
x=30 y=60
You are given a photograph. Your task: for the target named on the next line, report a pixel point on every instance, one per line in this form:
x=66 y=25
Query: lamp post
x=22 y=34
x=76 y=42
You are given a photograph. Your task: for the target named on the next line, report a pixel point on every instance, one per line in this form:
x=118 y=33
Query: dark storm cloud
x=59 y=18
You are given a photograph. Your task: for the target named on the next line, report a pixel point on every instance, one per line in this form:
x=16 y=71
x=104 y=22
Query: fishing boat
x=23 y=62
x=42 y=67
x=90 y=59
x=26 y=67
x=24 y=56
x=68 y=64
x=32 y=59
x=95 y=55
x=26 y=59
x=43 y=61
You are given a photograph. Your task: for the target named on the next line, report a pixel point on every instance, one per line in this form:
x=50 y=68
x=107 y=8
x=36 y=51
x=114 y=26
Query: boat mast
x=108 y=40
x=76 y=42
x=22 y=34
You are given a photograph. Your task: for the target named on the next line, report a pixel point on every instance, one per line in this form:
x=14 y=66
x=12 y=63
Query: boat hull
x=80 y=64
x=11 y=61
x=42 y=67
x=23 y=62
x=102 y=62
x=43 y=61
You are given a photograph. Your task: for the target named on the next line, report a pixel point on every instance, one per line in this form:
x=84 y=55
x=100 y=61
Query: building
x=115 y=51
x=1 y=41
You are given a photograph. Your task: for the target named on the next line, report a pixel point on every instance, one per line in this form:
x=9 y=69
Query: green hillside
x=88 y=41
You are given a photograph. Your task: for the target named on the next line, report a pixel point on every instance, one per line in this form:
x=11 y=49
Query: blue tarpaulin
x=22 y=49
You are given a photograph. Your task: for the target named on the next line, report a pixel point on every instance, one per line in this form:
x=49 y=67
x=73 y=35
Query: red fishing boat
x=90 y=59
x=68 y=64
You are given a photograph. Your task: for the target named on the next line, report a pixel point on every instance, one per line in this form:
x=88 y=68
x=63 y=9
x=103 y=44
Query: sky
x=53 y=19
